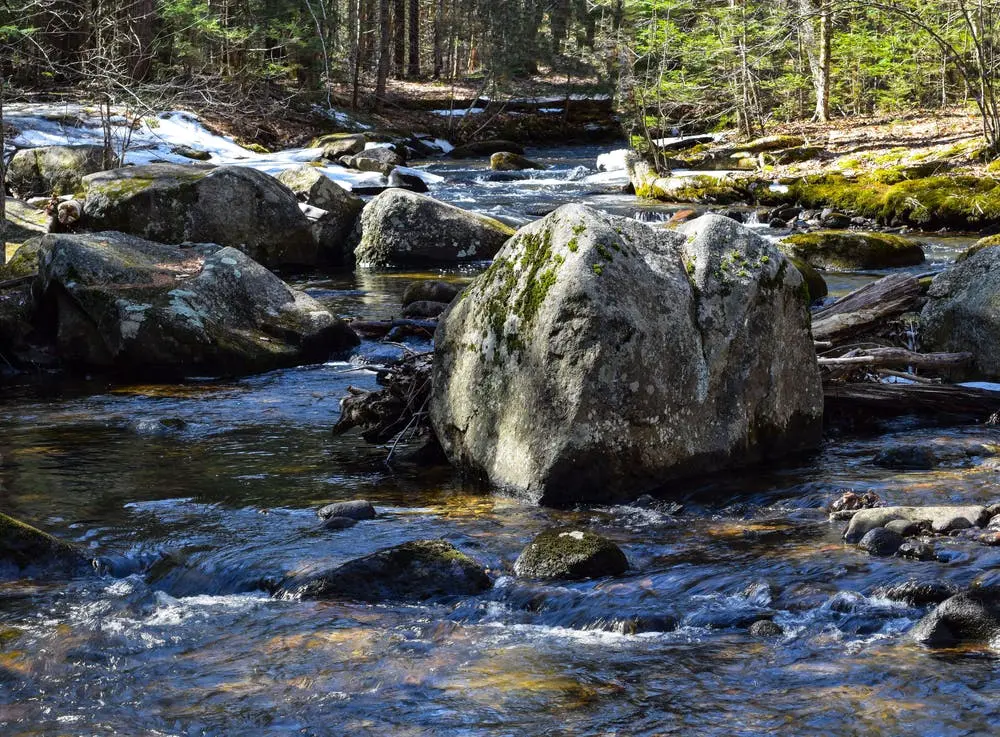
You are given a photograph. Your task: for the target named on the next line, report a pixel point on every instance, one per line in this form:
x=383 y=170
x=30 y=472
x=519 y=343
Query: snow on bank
x=155 y=138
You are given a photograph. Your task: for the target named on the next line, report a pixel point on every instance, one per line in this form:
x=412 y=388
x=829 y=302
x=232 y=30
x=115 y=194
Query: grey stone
x=400 y=227
x=766 y=628
x=53 y=169
x=916 y=550
x=419 y=310
x=358 y=509
x=411 y=572
x=339 y=523
x=967 y=617
x=120 y=302
x=598 y=358
x=917 y=593
x=881 y=542
x=331 y=230
x=485 y=148
x=230 y=205
x=338 y=144
x=570 y=554
x=905 y=527
x=381 y=160
x=430 y=291
x=940 y=519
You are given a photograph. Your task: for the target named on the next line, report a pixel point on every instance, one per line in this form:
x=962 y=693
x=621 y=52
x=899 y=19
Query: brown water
x=197 y=493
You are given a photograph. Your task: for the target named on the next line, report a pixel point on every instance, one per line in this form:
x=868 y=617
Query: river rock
x=917 y=593
x=408 y=181
x=400 y=227
x=230 y=205
x=907 y=457
x=766 y=628
x=411 y=572
x=191 y=153
x=941 y=519
x=333 y=229
x=570 y=554
x=430 y=291
x=548 y=376
x=120 y=302
x=337 y=145
x=339 y=523
x=382 y=160
x=507 y=161
x=424 y=310
x=51 y=170
x=358 y=509
x=881 y=542
x=973 y=616
x=24 y=549
x=961 y=312
x=916 y=550
x=815 y=283
x=835 y=249
x=24 y=262
x=485 y=148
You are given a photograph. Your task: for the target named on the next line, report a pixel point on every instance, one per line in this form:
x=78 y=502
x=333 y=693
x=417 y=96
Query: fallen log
x=867 y=310
x=19 y=281
x=897 y=358
x=947 y=402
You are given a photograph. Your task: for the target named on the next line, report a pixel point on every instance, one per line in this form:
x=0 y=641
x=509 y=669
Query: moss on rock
x=835 y=249
x=570 y=554
x=815 y=284
x=28 y=548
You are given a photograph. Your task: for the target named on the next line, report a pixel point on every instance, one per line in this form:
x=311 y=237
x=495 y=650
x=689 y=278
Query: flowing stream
x=196 y=493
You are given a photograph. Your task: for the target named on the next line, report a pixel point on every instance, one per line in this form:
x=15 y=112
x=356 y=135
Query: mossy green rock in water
x=983 y=243
x=122 y=303
x=229 y=205
x=26 y=549
x=53 y=169
x=570 y=554
x=549 y=373
x=962 y=313
x=411 y=572
x=815 y=283
x=405 y=228
x=837 y=249
x=507 y=161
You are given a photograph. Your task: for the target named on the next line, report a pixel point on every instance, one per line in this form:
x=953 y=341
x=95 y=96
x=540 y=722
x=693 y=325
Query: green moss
x=573 y=245
x=990 y=241
x=837 y=249
x=598 y=269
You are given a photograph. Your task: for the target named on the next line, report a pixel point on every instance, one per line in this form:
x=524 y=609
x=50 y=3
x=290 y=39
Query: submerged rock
x=549 y=373
x=849 y=250
x=940 y=519
x=26 y=549
x=120 y=302
x=411 y=572
x=53 y=169
x=400 y=227
x=507 y=161
x=358 y=509
x=229 y=205
x=766 y=628
x=570 y=554
x=485 y=148
x=973 y=617
x=881 y=542
x=430 y=291
x=961 y=313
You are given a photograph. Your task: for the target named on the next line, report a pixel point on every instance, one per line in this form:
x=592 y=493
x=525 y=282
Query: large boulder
x=24 y=549
x=333 y=229
x=962 y=315
x=53 y=169
x=123 y=303
x=411 y=572
x=400 y=227
x=598 y=358
x=835 y=249
x=336 y=145
x=230 y=205
x=381 y=159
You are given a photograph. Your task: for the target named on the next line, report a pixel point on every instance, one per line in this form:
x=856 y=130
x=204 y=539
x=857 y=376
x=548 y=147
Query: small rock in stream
x=906 y=458
x=570 y=554
x=339 y=523
x=916 y=550
x=358 y=509
x=850 y=502
x=430 y=291
x=917 y=593
x=973 y=616
x=424 y=309
x=765 y=628
x=881 y=542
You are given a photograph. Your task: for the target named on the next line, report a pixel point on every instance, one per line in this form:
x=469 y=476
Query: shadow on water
x=195 y=496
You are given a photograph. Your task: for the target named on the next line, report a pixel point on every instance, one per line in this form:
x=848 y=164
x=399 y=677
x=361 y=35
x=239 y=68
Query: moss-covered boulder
x=24 y=262
x=815 y=283
x=702 y=188
x=332 y=230
x=962 y=313
x=53 y=169
x=570 y=554
x=837 y=249
x=25 y=550
x=24 y=221
x=411 y=572
x=549 y=370
x=507 y=161
x=485 y=148
x=117 y=302
x=336 y=145
x=400 y=228
x=230 y=205
x=983 y=243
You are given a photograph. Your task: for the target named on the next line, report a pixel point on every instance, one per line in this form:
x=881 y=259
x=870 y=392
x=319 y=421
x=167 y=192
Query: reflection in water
x=197 y=496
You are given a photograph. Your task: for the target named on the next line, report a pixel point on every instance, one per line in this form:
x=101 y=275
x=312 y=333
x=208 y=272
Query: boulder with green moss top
x=25 y=550
x=188 y=152
x=381 y=160
x=815 y=283
x=230 y=205
x=120 y=303
x=570 y=554
x=983 y=243
x=332 y=230
x=53 y=169
x=24 y=262
x=962 y=313
x=335 y=145
x=411 y=572
x=772 y=143
x=400 y=228
x=700 y=188
x=837 y=249
x=549 y=375
x=507 y=161
x=485 y=148
x=24 y=221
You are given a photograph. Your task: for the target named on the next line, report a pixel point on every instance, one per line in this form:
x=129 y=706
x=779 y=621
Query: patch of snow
x=986 y=385
x=613 y=160
x=459 y=112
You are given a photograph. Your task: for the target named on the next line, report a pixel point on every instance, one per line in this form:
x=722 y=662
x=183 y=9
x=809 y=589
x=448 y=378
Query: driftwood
x=947 y=402
x=19 y=281
x=897 y=358
x=867 y=310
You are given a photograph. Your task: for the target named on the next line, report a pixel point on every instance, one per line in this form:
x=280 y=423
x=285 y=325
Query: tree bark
x=413 y=68
x=398 y=38
x=384 y=58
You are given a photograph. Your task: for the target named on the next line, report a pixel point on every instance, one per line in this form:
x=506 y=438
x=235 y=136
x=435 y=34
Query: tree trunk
x=817 y=48
x=384 y=58
x=398 y=38
x=413 y=69
x=438 y=38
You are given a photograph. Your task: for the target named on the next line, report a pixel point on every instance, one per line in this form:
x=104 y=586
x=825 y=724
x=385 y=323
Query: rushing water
x=197 y=493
